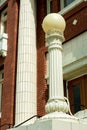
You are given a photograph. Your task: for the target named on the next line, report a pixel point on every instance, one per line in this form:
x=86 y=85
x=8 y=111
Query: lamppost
x=57 y=105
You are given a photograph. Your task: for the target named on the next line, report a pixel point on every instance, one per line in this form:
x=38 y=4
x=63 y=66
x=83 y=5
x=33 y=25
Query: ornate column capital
x=54 y=39
x=57 y=104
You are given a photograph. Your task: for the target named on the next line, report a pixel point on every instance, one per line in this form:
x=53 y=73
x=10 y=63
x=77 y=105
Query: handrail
x=11 y=125
x=26 y=121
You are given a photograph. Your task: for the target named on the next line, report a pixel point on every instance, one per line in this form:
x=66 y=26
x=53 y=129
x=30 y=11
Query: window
x=49 y=6
x=67 y=2
x=77 y=94
x=4 y=21
x=1 y=85
x=64 y=3
x=67 y=5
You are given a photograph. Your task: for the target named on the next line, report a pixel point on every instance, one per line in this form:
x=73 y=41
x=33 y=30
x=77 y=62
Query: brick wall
x=55 y=6
x=80 y=14
x=41 y=83
x=8 y=95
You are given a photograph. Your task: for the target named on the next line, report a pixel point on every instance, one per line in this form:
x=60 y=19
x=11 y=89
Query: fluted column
x=55 y=64
x=56 y=100
x=26 y=63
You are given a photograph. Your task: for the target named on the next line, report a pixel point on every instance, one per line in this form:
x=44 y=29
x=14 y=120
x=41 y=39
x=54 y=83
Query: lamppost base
x=60 y=116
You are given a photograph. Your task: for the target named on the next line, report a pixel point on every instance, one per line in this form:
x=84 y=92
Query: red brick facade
x=9 y=84
x=80 y=14
x=41 y=83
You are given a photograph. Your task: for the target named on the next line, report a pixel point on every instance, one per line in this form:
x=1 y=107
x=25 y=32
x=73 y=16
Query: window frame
x=64 y=10
x=49 y=6
x=1 y=85
x=70 y=84
x=3 y=20
x=62 y=4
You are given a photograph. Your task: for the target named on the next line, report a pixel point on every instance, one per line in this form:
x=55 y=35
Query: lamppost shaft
x=55 y=64
x=54 y=26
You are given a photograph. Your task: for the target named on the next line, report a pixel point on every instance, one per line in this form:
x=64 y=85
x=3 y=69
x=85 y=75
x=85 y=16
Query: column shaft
x=56 y=100
x=26 y=63
x=55 y=71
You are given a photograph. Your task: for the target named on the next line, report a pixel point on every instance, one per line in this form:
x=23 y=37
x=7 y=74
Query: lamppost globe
x=53 y=21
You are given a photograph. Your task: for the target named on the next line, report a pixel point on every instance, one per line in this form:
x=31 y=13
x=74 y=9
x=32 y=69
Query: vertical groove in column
x=51 y=69
x=57 y=69
x=56 y=72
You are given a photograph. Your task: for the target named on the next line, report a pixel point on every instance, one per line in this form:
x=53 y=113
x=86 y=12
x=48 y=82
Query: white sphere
x=53 y=21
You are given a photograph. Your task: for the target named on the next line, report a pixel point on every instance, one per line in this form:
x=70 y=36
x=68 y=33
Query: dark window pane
x=67 y=2
x=50 y=6
x=5 y=26
x=76 y=95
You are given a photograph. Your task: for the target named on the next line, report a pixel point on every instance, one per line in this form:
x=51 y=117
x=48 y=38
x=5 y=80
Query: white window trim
x=2 y=2
x=3 y=19
x=70 y=6
x=48 y=6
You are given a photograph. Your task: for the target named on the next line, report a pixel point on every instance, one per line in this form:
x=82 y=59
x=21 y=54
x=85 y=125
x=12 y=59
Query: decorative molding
x=59 y=115
x=3 y=44
x=82 y=115
x=76 y=68
x=57 y=104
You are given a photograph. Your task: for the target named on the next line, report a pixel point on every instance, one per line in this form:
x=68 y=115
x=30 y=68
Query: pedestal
x=54 y=124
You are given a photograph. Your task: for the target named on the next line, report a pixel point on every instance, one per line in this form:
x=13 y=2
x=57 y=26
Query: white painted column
x=55 y=66
x=57 y=106
x=26 y=63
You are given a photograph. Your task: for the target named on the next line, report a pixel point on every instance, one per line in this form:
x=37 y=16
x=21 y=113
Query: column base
x=59 y=116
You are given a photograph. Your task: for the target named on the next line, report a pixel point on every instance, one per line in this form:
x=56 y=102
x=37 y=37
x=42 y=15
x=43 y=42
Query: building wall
x=75 y=57
x=75 y=42
x=75 y=15
x=41 y=83
x=9 y=63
